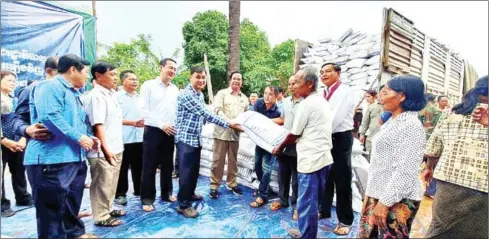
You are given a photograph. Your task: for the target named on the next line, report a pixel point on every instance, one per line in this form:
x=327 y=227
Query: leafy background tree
x=260 y=64
x=208 y=32
x=136 y=56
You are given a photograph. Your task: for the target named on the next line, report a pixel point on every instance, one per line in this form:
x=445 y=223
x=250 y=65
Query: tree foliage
x=261 y=65
x=135 y=56
x=208 y=32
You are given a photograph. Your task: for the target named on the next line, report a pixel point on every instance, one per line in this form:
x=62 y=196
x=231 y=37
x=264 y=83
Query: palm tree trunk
x=234 y=25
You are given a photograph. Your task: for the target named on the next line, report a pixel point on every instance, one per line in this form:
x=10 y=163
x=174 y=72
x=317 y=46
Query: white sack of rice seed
x=355 y=63
x=262 y=130
x=359 y=76
x=374 y=67
x=354 y=71
x=372 y=60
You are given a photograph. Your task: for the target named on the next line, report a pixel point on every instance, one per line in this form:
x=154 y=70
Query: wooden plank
x=208 y=79
x=400 y=39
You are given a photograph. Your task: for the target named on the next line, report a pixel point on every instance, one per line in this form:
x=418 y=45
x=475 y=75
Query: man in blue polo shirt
x=264 y=160
x=56 y=167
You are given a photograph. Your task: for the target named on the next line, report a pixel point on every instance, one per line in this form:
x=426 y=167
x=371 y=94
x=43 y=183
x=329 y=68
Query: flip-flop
x=148 y=208
x=275 y=206
x=84 y=214
x=256 y=204
x=341 y=226
x=170 y=199
x=87 y=235
x=295 y=216
x=109 y=222
x=118 y=213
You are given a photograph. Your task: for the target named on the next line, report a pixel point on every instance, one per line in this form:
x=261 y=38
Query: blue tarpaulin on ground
x=33 y=31
x=229 y=216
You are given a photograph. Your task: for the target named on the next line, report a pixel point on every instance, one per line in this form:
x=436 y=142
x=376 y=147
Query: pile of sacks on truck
x=357 y=53
x=246 y=159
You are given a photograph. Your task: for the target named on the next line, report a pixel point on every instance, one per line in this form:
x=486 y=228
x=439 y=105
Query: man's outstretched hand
x=236 y=126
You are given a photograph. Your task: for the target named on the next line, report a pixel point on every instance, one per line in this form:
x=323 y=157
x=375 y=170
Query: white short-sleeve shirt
x=102 y=107
x=313 y=124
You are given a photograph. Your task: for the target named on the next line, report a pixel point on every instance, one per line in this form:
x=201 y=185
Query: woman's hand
x=11 y=145
x=22 y=143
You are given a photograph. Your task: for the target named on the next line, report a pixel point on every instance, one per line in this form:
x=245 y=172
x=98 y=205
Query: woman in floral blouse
x=394 y=189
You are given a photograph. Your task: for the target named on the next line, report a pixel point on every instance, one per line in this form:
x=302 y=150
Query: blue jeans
x=263 y=167
x=189 y=164
x=311 y=189
x=57 y=191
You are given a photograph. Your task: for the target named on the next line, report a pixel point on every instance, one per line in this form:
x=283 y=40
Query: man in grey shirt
x=288 y=161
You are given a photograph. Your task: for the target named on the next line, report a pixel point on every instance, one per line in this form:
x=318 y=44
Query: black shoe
x=323 y=216
x=24 y=203
x=196 y=197
x=236 y=190
x=214 y=194
x=8 y=212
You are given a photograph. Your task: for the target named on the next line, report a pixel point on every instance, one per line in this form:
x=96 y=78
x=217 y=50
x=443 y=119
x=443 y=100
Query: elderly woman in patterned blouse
x=459 y=145
x=394 y=189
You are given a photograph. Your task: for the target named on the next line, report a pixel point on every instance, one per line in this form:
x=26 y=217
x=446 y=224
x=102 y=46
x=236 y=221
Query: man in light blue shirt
x=56 y=167
x=132 y=135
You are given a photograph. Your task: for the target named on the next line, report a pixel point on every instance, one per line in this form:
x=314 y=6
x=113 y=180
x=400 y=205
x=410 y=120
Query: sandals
x=275 y=206
x=84 y=214
x=170 y=199
x=117 y=213
x=342 y=229
x=257 y=203
x=109 y=222
x=88 y=235
x=148 y=208
x=295 y=216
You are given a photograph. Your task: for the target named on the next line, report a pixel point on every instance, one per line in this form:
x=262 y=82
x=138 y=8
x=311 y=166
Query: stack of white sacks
x=246 y=159
x=357 y=53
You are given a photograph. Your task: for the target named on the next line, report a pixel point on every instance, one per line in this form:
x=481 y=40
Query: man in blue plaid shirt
x=191 y=114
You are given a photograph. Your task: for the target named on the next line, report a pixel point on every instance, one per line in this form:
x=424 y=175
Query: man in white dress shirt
x=159 y=104
x=340 y=97
x=105 y=117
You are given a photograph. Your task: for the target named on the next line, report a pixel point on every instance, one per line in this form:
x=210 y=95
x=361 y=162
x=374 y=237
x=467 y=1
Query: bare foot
x=84 y=214
x=148 y=208
x=88 y=235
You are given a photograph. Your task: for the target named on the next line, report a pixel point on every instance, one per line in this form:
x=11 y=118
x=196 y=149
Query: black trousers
x=287 y=170
x=132 y=157
x=340 y=178
x=58 y=192
x=158 y=150
x=189 y=173
x=175 y=168
x=15 y=161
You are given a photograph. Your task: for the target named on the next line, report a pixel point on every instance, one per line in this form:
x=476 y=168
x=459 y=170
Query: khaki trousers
x=103 y=186
x=221 y=148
